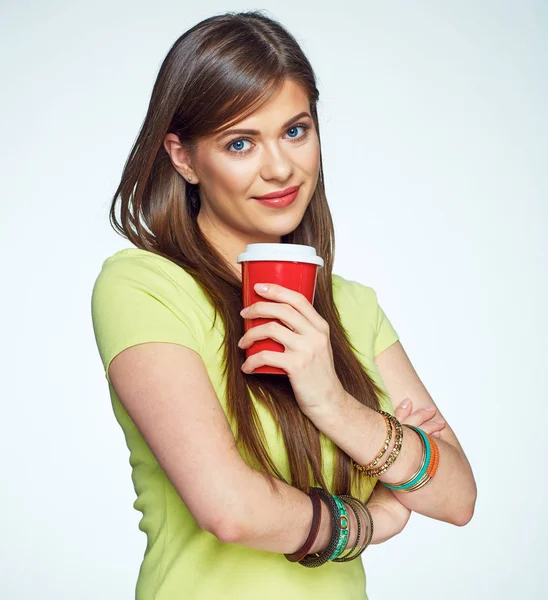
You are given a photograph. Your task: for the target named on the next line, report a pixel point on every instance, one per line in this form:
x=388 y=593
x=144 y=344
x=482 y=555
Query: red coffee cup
x=293 y=266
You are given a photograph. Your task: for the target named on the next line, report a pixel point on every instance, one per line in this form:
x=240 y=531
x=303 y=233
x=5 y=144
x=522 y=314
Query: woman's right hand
x=423 y=418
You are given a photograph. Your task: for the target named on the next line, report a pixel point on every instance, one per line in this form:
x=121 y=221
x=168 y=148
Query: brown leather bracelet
x=314 y=529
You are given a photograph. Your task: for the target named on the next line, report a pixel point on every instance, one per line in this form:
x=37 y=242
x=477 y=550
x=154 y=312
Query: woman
x=246 y=481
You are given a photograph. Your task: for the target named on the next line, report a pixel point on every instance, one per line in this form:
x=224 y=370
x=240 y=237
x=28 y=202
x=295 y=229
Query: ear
x=180 y=157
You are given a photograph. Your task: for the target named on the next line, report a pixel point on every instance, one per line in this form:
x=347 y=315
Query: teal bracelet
x=343 y=535
x=422 y=472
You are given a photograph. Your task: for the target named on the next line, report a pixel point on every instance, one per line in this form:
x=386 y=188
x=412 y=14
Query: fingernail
x=440 y=422
x=244 y=311
x=431 y=408
x=261 y=287
x=405 y=403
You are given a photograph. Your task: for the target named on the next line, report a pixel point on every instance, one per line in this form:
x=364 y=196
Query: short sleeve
x=385 y=334
x=134 y=302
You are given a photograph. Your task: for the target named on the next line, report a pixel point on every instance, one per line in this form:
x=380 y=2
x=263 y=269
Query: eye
x=295 y=128
x=236 y=146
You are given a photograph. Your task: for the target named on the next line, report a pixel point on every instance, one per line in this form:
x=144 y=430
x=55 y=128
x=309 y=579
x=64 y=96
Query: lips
x=279 y=194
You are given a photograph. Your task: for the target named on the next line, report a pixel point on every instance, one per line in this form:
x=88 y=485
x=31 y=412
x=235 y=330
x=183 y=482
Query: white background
x=434 y=133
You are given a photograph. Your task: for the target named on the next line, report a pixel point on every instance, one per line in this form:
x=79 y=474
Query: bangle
x=343 y=534
x=432 y=466
x=393 y=455
x=317 y=559
x=315 y=527
x=389 y=431
x=349 y=551
x=366 y=526
x=418 y=479
x=434 y=462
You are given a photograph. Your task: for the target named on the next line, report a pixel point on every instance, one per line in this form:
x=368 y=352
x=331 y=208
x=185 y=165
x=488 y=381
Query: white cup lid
x=289 y=252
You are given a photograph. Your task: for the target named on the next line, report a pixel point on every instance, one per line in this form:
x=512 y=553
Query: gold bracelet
x=393 y=455
x=423 y=460
x=419 y=484
x=383 y=450
x=395 y=452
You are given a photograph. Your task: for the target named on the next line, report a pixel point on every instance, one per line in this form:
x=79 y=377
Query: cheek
x=230 y=176
x=311 y=160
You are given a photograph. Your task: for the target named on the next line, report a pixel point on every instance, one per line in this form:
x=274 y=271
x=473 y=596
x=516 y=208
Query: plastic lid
x=289 y=252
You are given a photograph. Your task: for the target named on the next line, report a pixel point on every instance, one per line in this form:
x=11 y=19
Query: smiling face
x=233 y=167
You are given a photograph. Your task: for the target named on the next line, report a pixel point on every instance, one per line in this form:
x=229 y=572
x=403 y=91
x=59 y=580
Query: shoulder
x=351 y=295
x=146 y=271
x=133 y=261
x=356 y=304
x=141 y=297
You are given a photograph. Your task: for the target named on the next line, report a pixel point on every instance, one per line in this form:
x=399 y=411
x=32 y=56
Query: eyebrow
x=256 y=132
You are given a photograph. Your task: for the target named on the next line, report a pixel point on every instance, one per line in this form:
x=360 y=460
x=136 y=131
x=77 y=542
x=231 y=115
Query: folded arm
x=159 y=385
x=358 y=430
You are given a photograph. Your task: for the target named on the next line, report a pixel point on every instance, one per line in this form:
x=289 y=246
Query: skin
x=274 y=160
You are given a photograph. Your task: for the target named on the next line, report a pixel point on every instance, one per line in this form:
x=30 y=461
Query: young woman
x=246 y=481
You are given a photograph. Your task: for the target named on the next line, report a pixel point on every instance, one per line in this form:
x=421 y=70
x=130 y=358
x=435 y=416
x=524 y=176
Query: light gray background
x=433 y=121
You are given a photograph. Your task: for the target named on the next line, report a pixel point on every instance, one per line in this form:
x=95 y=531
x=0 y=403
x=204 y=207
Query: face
x=232 y=168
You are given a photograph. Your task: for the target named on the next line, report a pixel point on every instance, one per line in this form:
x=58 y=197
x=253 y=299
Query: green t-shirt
x=141 y=297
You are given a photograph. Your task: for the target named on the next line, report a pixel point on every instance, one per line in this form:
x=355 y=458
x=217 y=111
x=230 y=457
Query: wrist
x=326 y=415
x=324 y=534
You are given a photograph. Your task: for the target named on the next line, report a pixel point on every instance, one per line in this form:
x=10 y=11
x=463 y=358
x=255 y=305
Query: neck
x=230 y=243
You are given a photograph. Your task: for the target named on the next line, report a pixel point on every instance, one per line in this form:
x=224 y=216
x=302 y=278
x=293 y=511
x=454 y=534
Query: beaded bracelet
x=433 y=467
x=382 y=452
x=393 y=455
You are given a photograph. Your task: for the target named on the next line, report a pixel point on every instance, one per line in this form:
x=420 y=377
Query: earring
x=189 y=178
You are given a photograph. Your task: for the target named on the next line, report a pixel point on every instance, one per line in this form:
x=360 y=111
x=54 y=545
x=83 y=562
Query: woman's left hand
x=308 y=357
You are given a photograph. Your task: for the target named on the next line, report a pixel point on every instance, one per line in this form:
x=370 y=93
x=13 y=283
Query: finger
x=420 y=416
x=295 y=299
x=265 y=357
x=403 y=410
x=432 y=426
x=283 y=312
x=271 y=330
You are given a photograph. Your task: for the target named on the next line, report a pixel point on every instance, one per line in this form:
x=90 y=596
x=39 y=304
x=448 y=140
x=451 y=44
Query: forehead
x=291 y=98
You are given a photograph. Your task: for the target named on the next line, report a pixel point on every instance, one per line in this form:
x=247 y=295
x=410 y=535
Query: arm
x=451 y=495
x=389 y=515
x=158 y=384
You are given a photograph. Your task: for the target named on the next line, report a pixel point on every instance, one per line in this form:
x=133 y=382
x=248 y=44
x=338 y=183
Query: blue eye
x=235 y=147
x=293 y=129
x=239 y=150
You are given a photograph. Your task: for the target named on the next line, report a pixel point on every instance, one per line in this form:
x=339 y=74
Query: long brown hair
x=217 y=73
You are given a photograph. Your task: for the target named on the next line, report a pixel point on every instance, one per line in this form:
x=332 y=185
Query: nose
x=276 y=163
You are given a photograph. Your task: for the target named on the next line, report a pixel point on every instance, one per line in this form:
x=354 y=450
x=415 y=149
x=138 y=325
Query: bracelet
x=344 y=531
x=432 y=466
x=393 y=455
x=317 y=559
x=314 y=529
x=367 y=526
x=349 y=551
x=363 y=530
x=421 y=478
x=389 y=431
